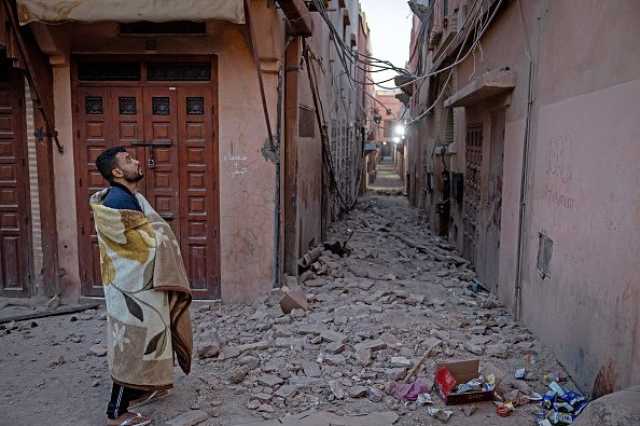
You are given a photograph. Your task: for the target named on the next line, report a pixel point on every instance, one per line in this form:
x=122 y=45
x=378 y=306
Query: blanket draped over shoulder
x=147 y=295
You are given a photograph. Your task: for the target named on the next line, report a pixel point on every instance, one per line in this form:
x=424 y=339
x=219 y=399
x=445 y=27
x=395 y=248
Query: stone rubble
x=354 y=324
x=399 y=303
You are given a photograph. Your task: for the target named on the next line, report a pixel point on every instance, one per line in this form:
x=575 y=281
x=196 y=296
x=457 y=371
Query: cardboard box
x=462 y=371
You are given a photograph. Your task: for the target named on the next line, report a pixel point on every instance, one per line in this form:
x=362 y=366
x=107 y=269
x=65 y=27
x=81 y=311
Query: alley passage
x=387 y=179
x=372 y=316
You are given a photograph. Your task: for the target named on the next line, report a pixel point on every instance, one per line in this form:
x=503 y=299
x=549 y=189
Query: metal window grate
x=93 y=105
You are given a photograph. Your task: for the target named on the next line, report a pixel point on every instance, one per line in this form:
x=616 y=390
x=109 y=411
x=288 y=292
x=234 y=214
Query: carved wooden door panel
x=162 y=150
x=198 y=190
x=14 y=209
x=94 y=134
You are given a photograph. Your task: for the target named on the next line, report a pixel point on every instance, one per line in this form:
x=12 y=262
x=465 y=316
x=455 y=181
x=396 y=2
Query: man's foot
x=148 y=398
x=129 y=419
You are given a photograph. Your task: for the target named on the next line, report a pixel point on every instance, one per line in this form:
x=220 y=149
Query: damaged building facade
x=523 y=151
x=213 y=98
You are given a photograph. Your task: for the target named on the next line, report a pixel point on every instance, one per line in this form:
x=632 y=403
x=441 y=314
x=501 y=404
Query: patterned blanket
x=147 y=295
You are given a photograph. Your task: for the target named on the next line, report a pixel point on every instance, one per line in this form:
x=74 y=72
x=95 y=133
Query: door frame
x=16 y=80
x=143 y=83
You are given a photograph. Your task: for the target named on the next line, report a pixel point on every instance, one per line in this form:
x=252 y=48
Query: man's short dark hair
x=106 y=161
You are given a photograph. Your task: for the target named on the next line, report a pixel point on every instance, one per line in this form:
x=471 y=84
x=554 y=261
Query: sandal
x=129 y=419
x=149 y=398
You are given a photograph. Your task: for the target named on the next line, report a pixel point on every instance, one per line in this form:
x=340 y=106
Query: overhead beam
x=297 y=13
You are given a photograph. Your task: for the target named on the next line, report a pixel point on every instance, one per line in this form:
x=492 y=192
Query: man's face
x=127 y=168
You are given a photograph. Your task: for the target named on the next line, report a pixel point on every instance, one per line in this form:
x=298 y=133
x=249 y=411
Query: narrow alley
x=319 y=213
x=372 y=316
x=387 y=178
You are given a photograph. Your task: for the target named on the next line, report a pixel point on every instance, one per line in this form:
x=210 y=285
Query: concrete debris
x=210 y=349
x=311 y=369
x=371 y=345
x=270 y=380
x=375 y=394
x=440 y=414
x=98 y=350
x=337 y=389
x=190 y=418
x=400 y=362
x=326 y=349
x=469 y=410
x=358 y=392
x=238 y=374
x=293 y=298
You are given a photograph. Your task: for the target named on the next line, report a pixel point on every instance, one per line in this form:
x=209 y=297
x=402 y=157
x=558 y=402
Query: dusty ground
x=400 y=285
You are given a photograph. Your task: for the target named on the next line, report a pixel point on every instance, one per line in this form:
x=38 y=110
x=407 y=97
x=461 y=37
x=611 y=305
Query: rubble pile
x=373 y=324
x=358 y=338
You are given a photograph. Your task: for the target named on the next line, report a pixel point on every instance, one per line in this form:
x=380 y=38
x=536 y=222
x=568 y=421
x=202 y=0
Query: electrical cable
x=457 y=61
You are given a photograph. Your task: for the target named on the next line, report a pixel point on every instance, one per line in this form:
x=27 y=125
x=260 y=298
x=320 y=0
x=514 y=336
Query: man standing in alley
x=146 y=291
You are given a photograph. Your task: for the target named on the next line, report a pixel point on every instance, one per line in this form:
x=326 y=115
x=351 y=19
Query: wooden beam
x=298 y=15
x=290 y=169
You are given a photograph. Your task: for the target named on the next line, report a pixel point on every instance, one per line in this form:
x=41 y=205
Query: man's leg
x=120 y=398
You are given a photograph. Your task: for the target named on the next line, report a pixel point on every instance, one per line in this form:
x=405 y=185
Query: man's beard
x=134 y=177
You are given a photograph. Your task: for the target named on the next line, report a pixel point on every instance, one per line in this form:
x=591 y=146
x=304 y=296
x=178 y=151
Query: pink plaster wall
x=247 y=179
x=583 y=178
x=585 y=199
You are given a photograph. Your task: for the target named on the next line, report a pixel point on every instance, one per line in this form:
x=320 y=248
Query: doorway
x=494 y=201
x=15 y=235
x=165 y=112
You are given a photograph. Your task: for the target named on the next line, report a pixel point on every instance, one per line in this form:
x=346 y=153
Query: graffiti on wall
x=559 y=172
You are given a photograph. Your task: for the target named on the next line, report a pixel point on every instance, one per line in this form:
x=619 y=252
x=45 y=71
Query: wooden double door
x=171 y=131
